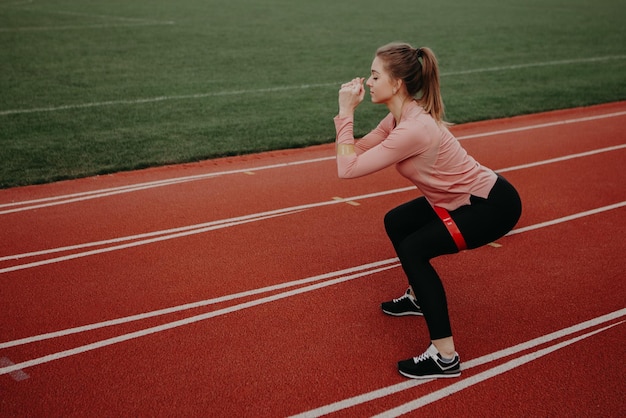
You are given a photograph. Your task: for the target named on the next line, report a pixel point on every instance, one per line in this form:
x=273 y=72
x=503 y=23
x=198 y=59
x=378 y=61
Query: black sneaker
x=405 y=305
x=430 y=365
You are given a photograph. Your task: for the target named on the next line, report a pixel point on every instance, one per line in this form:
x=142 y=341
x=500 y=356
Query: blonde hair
x=419 y=70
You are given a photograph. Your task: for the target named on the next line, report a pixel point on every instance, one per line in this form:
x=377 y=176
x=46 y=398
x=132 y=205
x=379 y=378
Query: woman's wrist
x=345 y=113
x=345 y=149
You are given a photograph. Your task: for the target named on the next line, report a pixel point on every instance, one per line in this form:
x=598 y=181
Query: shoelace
x=421 y=357
x=409 y=297
x=405 y=296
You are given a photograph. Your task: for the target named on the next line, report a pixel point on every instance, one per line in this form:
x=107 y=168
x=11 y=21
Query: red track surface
x=260 y=341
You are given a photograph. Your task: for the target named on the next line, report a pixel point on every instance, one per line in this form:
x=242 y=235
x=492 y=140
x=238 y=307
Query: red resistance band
x=454 y=231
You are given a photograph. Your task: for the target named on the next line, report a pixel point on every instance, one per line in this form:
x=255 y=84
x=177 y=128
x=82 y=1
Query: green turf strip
x=96 y=87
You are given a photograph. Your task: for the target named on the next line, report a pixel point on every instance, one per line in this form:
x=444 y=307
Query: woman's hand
x=350 y=96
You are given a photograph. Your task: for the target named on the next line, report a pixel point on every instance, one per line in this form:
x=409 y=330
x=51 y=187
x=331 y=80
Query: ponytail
x=419 y=70
x=430 y=99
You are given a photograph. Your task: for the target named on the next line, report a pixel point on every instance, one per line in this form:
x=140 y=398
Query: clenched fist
x=350 y=96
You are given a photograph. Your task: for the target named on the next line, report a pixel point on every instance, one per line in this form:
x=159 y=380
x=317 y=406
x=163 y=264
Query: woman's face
x=380 y=83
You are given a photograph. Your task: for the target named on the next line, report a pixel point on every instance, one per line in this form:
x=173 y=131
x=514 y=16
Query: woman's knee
x=396 y=225
x=390 y=221
x=407 y=217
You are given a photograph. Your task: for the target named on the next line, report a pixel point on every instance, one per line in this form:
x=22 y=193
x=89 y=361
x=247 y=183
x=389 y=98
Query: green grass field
x=91 y=87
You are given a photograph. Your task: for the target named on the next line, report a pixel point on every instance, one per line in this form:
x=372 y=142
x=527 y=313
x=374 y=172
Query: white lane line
x=159 y=236
x=564 y=158
x=117 y=20
x=487 y=374
x=78 y=197
x=538 y=64
x=127 y=102
x=82 y=27
x=297 y=87
x=186 y=321
x=568 y=218
x=509 y=351
x=16 y=3
x=546 y=125
x=390 y=263
x=173 y=232
x=141 y=242
x=18 y=375
x=82 y=196
x=98 y=16
x=188 y=230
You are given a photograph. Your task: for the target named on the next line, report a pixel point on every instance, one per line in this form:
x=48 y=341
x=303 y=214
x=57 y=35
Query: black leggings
x=418 y=235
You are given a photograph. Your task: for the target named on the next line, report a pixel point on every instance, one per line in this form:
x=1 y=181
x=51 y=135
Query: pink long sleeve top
x=423 y=151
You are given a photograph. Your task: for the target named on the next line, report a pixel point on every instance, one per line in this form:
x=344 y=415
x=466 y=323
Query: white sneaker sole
x=431 y=376
x=403 y=313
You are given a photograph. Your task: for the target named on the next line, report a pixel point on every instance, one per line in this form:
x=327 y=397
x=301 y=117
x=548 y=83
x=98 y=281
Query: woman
x=464 y=205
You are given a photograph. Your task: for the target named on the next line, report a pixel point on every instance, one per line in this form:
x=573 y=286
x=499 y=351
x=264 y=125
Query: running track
x=250 y=286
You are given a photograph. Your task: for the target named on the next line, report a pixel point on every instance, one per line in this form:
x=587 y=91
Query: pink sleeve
x=377 y=151
x=376 y=136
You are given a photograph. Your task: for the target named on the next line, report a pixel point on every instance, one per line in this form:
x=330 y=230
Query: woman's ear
x=397 y=85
